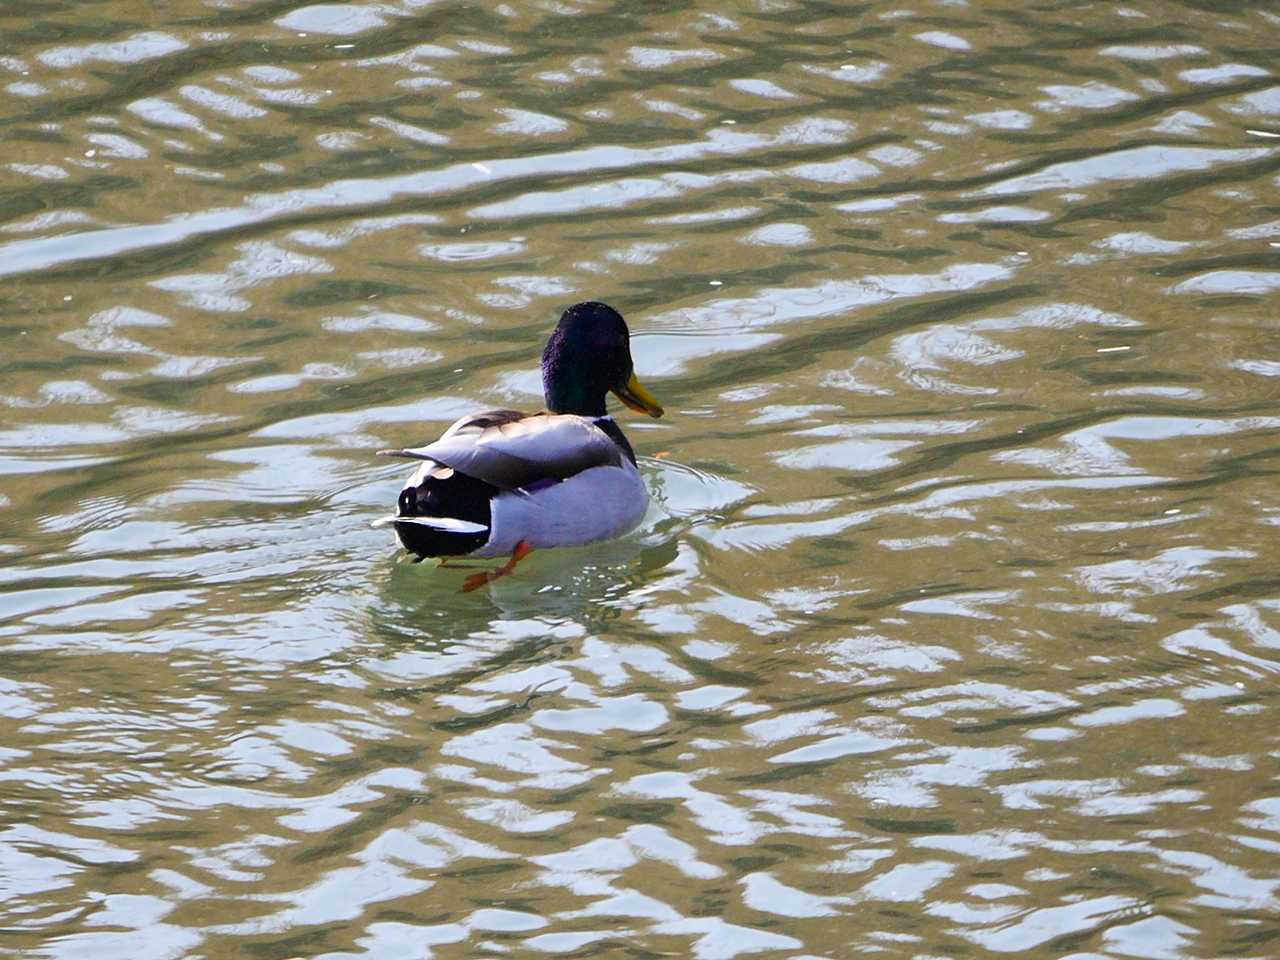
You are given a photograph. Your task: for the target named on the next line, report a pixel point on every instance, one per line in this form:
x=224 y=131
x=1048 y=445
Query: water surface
x=955 y=625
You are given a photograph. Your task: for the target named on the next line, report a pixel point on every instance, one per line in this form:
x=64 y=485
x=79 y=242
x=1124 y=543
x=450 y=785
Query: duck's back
x=549 y=479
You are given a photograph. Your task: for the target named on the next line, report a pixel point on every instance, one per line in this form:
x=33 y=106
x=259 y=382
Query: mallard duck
x=504 y=482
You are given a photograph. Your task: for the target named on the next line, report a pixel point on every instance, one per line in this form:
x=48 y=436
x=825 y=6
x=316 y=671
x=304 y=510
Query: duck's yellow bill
x=635 y=396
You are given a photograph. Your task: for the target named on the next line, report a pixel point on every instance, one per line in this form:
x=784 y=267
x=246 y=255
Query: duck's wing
x=512 y=450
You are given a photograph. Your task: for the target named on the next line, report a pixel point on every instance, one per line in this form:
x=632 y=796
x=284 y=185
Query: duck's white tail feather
x=448 y=524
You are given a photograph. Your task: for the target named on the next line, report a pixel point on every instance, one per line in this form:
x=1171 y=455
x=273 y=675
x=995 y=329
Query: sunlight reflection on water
x=953 y=622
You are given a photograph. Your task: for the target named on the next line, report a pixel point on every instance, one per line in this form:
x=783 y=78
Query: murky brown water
x=954 y=630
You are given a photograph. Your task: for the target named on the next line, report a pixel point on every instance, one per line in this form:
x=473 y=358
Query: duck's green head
x=588 y=355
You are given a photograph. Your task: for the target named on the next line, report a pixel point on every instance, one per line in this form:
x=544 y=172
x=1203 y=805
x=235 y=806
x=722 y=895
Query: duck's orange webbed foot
x=478 y=580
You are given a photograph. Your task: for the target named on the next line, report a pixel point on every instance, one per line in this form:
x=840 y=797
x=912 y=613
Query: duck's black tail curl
x=445 y=514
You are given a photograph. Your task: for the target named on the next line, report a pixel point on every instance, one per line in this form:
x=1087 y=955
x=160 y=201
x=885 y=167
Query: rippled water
x=955 y=626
